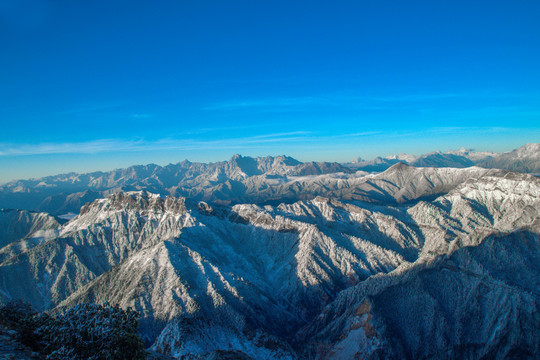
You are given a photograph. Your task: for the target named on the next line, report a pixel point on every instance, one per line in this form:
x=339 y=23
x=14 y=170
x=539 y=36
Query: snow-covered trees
x=85 y=331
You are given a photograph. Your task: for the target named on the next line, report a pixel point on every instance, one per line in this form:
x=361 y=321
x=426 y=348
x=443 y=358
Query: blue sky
x=97 y=85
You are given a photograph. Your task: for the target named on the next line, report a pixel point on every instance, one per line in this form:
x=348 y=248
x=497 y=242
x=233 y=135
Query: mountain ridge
x=525 y=159
x=237 y=180
x=273 y=279
x=270 y=258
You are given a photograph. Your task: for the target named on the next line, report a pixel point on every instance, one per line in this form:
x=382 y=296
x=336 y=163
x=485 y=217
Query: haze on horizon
x=100 y=85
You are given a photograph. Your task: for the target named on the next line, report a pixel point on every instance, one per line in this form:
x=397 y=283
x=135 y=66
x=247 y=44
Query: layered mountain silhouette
x=270 y=258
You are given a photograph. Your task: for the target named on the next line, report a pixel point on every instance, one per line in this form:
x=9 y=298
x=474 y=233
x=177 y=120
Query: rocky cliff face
x=329 y=277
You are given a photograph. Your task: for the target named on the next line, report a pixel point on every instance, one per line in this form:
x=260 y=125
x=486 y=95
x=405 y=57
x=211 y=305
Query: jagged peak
x=136 y=200
x=236 y=157
x=184 y=163
x=275 y=160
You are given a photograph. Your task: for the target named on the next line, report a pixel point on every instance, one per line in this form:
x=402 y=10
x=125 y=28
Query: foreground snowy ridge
x=409 y=263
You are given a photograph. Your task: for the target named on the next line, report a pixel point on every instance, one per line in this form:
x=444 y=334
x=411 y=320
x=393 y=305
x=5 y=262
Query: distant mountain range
x=526 y=159
x=268 y=180
x=270 y=258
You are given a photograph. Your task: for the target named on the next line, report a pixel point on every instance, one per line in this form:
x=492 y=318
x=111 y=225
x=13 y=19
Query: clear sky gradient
x=97 y=85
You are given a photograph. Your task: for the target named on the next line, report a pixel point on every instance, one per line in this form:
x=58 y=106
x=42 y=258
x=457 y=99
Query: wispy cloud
x=91 y=108
x=88 y=147
x=358 y=134
x=304 y=139
x=311 y=102
x=439 y=131
x=264 y=103
x=412 y=97
x=357 y=101
x=214 y=129
x=119 y=145
x=278 y=135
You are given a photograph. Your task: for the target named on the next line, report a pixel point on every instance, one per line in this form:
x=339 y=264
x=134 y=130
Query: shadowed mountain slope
x=270 y=281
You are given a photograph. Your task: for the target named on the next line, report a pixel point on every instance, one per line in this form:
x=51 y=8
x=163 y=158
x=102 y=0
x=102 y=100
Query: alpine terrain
x=404 y=257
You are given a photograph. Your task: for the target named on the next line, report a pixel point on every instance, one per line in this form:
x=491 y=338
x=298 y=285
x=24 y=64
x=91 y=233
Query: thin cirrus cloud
x=112 y=109
x=303 y=138
x=447 y=131
x=367 y=101
x=88 y=147
x=358 y=134
x=264 y=103
x=91 y=109
x=116 y=145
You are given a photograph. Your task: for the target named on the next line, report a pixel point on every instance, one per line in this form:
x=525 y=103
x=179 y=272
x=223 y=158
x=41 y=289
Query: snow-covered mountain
x=478 y=302
x=357 y=266
x=22 y=224
x=526 y=159
x=268 y=180
x=458 y=159
x=222 y=182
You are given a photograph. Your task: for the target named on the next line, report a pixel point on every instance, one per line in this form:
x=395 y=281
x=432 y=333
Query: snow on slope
x=220 y=182
x=476 y=208
x=479 y=302
x=239 y=180
x=525 y=159
x=414 y=310
x=271 y=268
x=87 y=246
x=22 y=224
x=247 y=277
